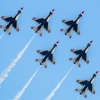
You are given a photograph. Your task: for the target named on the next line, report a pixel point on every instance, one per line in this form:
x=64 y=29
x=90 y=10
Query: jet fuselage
x=74 y=23
x=88 y=84
x=12 y=20
x=44 y=21
x=82 y=53
x=49 y=53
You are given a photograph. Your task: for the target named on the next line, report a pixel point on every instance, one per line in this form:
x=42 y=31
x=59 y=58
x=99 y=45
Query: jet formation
x=48 y=54
x=73 y=25
x=87 y=85
x=81 y=54
x=43 y=23
x=11 y=21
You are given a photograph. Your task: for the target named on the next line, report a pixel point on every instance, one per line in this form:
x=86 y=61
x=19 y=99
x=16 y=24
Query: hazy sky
x=26 y=80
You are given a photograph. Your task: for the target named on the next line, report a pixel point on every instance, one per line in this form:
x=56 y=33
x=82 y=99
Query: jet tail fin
x=6 y=30
x=80 y=91
x=37 y=31
x=41 y=63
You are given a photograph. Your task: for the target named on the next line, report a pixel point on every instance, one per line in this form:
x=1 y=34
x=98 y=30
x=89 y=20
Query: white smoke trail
x=58 y=85
x=13 y=63
x=78 y=98
x=2 y=35
x=25 y=86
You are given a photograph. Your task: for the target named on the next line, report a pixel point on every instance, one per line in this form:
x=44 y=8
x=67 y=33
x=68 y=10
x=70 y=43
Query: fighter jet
x=43 y=22
x=73 y=25
x=81 y=54
x=48 y=55
x=11 y=21
x=87 y=84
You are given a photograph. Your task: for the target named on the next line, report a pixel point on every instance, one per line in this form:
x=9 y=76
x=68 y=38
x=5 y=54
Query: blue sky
x=47 y=79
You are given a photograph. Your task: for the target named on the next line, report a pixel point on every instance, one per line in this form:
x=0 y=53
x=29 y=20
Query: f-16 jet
x=73 y=25
x=11 y=21
x=48 y=55
x=43 y=23
x=87 y=85
x=81 y=54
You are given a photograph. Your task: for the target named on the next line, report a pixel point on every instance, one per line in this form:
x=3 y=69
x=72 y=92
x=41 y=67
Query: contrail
x=25 y=86
x=13 y=63
x=58 y=85
x=78 y=98
x=2 y=35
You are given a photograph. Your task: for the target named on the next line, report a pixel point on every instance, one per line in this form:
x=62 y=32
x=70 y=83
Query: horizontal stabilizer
x=5 y=30
x=34 y=28
x=8 y=31
x=44 y=64
x=84 y=94
x=40 y=61
x=78 y=90
x=75 y=62
x=78 y=64
x=37 y=31
x=64 y=30
x=3 y=27
x=72 y=59
x=66 y=33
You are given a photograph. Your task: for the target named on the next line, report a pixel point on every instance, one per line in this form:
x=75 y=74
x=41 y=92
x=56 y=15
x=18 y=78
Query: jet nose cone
x=22 y=8
x=91 y=42
x=53 y=10
x=96 y=72
x=57 y=42
x=82 y=12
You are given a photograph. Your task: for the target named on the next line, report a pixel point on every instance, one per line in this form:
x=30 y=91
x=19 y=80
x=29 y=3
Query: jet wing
x=51 y=58
x=77 y=52
x=67 y=22
x=15 y=25
x=82 y=82
x=7 y=19
x=38 y=20
x=91 y=89
x=46 y=26
x=76 y=29
x=43 y=53
x=85 y=58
